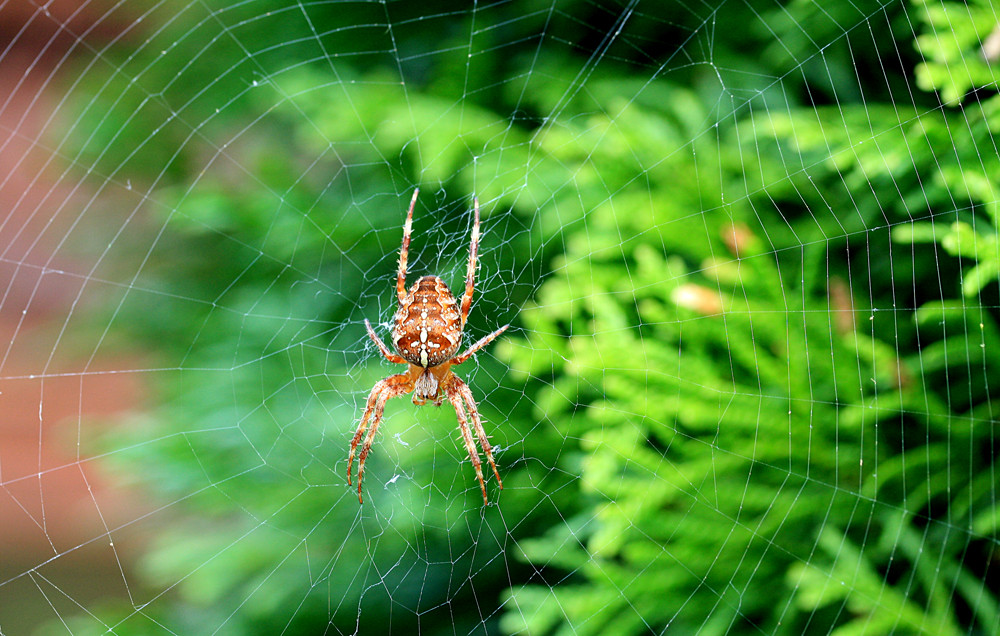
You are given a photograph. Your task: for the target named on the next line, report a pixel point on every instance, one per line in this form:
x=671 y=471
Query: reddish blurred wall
x=58 y=513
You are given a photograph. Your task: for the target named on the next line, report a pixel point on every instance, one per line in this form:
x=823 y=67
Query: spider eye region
x=427 y=328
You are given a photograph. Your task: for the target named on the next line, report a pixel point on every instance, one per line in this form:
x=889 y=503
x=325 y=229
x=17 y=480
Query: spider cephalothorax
x=427 y=331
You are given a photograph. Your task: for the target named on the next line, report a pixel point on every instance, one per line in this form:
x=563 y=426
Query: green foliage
x=955 y=46
x=719 y=392
x=716 y=504
x=960 y=43
x=873 y=606
x=966 y=176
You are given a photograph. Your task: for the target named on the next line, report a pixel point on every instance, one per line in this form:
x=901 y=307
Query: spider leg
x=390 y=356
x=407 y=228
x=466 y=393
x=470 y=275
x=393 y=386
x=458 y=392
x=485 y=340
x=470 y=446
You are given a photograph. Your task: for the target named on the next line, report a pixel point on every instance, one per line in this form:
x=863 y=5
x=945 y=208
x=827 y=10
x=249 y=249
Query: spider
x=427 y=331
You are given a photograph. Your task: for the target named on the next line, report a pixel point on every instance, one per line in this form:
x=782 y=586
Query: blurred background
x=749 y=255
x=53 y=502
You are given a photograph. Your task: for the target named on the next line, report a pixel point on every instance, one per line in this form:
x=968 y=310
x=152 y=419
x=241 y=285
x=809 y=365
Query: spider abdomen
x=427 y=328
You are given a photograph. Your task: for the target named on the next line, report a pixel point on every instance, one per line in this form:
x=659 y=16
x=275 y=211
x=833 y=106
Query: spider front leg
x=390 y=356
x=393 y=386
x=470 y=275
x=404 y=250
x=485 y=340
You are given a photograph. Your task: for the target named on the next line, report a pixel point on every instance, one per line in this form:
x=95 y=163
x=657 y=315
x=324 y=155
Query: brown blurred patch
x=58 y=24
x=842 y=305
x=56 y=507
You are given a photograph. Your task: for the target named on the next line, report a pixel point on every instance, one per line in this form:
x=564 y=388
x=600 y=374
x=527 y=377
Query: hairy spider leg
x=389 y=355
x=485 y=340
x=454 y=393
x=407 y=228
x=470 y=274
x=393 y=386
x=466 y=393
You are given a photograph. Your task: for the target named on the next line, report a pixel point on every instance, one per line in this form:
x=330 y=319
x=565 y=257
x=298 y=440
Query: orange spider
x=427 y=330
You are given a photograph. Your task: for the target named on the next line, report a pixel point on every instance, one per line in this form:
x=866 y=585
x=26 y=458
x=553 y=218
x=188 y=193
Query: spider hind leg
x=393 y=386
x=460 y=395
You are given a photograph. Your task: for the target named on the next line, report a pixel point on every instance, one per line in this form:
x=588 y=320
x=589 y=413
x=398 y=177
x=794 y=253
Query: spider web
x=748 y=253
